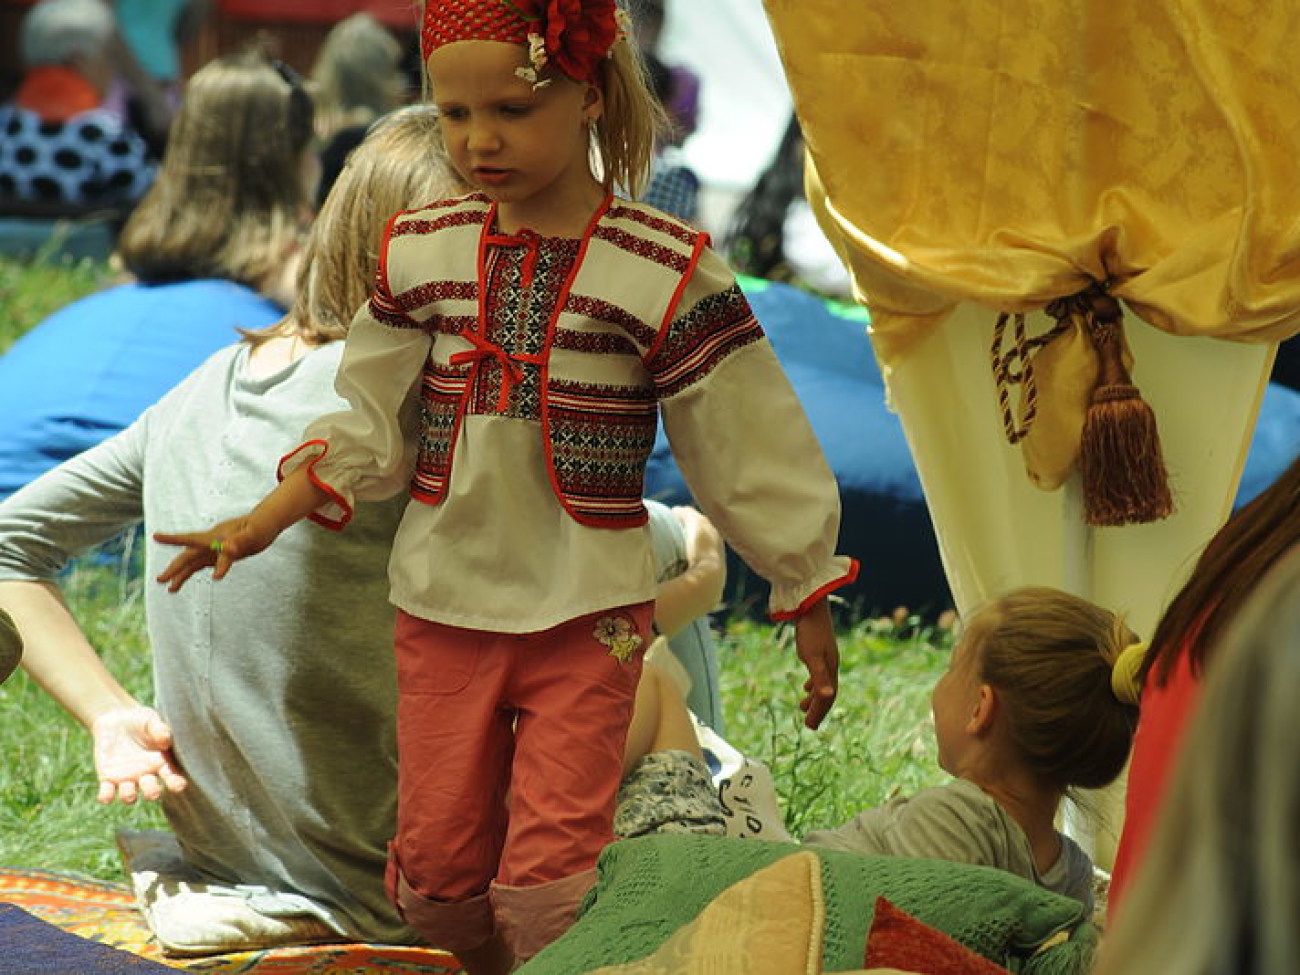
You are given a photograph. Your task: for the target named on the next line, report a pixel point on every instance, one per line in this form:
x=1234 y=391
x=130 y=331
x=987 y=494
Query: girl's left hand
x=814 y=635
x=219 y=547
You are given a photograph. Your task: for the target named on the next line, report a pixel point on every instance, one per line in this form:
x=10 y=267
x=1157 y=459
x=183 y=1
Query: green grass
x=877 y=742
x=48 y=814
x=31 y=290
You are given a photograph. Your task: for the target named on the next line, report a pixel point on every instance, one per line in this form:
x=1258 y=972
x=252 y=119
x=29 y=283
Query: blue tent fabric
x=824 y=349
x=92 y=367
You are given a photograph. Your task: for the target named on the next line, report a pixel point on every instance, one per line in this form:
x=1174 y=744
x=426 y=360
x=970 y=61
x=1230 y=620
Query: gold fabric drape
x=986 y=156
x=1009 y=153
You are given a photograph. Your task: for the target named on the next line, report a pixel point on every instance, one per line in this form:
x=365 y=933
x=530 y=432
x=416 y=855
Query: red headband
x=573 y=35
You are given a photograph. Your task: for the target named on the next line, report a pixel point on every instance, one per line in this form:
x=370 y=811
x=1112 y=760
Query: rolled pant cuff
x=530 y=918
x=451 y=925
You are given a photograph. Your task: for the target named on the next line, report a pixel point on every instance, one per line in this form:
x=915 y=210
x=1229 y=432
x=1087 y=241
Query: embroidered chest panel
x=544 y=330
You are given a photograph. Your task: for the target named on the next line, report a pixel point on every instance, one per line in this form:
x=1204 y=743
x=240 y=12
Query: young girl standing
x=1038 y=699
x=508 y=371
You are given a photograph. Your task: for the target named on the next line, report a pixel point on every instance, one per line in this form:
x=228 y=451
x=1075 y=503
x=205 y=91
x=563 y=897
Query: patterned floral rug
x=105 y=913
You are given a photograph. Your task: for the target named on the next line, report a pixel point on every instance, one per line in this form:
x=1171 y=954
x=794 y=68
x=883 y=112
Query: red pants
x=510 y=750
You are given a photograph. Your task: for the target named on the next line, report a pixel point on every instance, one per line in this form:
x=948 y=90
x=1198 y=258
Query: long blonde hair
x=399 y=165
x=632 y=123
x=229 y=200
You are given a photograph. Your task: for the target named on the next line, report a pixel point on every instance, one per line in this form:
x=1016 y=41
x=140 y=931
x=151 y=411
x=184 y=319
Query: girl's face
x=525 y=148
x=955 y=698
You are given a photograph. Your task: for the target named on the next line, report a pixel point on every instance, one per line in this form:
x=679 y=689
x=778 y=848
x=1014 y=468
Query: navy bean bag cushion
x=824 y=349
x=826 y=353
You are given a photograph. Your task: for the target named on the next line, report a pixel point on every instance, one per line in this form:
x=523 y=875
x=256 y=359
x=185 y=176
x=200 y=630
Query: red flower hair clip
x=573 y=35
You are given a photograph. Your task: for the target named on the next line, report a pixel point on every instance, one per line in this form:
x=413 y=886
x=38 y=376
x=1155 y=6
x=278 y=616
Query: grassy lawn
x=876 y=743
x=31 y=291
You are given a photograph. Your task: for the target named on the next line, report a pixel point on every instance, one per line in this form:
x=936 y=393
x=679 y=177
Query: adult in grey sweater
x=275 y=684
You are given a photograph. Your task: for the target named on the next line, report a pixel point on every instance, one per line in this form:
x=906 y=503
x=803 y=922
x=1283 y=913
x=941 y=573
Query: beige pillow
x=770 y=923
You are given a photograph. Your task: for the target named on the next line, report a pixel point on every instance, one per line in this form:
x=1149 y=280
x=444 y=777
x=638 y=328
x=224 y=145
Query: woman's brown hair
x=399 y=165
x=1225 y=574
x=1049 y=655
x=229 y=199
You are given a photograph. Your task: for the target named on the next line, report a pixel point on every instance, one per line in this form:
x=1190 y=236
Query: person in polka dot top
x=58 y=144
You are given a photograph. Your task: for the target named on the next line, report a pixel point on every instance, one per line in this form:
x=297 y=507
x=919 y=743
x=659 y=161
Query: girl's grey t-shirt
x=960 y=822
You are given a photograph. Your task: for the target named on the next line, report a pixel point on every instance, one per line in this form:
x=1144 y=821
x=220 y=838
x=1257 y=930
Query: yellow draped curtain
x=1009 y=152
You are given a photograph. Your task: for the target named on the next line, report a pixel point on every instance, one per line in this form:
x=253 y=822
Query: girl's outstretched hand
x=220 y=546
x=133 y=755
x=814 y=636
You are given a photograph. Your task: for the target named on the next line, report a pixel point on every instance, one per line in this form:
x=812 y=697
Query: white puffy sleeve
x=367 y=452
x=744 y=444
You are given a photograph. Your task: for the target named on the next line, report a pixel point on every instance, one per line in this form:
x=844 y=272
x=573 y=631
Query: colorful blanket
x=105 y=913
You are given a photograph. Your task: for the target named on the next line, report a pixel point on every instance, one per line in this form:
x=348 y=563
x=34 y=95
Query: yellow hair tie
x=1124 y=683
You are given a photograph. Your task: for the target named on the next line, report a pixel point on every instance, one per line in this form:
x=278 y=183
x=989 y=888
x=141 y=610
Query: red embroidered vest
x=599 y=398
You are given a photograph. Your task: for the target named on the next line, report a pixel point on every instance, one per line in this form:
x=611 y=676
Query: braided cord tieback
x=1015 y=367
x=1120 y=457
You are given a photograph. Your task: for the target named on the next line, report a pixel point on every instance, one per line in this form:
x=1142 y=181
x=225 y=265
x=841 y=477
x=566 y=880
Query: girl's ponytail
x=1051 y=657
x=632 y=123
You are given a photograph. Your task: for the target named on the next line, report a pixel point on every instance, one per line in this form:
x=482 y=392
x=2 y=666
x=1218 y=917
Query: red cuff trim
x=334 y=524
x=821 y=593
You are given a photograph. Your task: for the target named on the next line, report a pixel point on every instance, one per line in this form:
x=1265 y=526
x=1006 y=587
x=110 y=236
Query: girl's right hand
x=220 y=546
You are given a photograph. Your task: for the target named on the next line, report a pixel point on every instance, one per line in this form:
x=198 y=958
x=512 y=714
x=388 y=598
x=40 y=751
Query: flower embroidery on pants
x=617 y=633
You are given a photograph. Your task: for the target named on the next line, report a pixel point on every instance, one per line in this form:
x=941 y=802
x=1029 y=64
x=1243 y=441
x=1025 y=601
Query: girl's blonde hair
x=632 y=123
x=1049 y=655
x=399 y=165
x=357 y=76
x=229 y=198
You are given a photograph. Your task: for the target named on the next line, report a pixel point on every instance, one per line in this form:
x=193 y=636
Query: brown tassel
x=1123 y=469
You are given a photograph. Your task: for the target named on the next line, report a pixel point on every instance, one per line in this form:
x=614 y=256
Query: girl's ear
x=985 y=710
x=593 y=103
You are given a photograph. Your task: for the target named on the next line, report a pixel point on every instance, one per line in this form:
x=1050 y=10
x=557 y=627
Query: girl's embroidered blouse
x=499 y=550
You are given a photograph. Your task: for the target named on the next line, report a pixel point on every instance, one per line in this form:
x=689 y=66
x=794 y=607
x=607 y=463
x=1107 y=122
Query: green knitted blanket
x=650 y=886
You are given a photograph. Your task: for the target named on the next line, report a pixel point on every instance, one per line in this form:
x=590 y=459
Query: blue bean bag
x=1275 y=444
x=826 y=353
x=824 y=349
x=92 y=367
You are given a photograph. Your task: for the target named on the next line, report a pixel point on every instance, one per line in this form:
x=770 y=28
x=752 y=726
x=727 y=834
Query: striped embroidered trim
x=672 y=228
x=644 y=247
x=413 y=225
x=608 y=343
x=693 y=355
x=602 y=311
x=386 y=311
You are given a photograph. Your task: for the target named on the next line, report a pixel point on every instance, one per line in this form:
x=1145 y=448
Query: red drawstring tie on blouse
x=531 y=241
x=484 y=350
